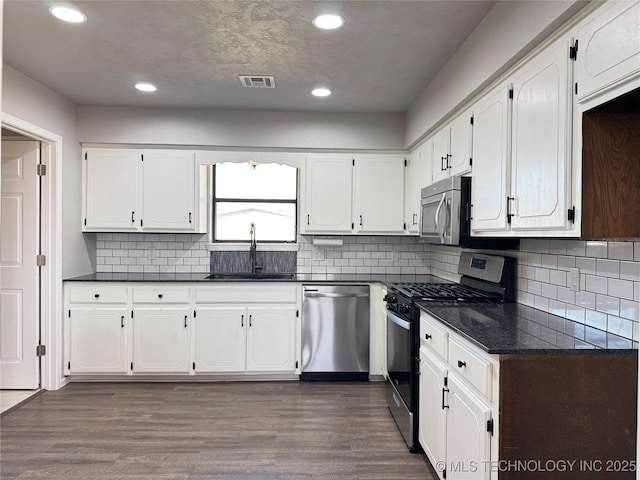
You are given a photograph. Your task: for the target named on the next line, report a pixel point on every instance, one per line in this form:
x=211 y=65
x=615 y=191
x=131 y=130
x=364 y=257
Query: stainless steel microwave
x=445 y=216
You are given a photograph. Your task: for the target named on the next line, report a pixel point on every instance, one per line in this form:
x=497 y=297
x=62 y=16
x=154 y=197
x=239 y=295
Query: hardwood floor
x=231 y=431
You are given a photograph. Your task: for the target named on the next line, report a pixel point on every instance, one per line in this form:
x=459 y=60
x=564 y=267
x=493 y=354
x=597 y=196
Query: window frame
x=215 y=200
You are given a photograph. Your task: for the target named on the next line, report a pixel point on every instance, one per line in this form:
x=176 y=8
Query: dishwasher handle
x=312 y=294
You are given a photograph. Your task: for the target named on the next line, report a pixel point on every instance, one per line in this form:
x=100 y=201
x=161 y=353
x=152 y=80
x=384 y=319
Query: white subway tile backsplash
x=558 y=247
x=586 y=265
x=596 y=249
x=558 y=277
x=620 y=250
x=630 y=271
x=620 y=326
x=608 y=268
x=566 y=295
x=585 y=299
x=542 y=275
x=541 y=245
x=576 y=248
x=549 y=291
x=565 y=263
x=575 y=313
x=596 y=284
x=630 y=309
x=620 y=288
x=596 y=319
x=606 y=304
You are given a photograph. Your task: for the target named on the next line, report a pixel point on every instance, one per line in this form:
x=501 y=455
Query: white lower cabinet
x=99 y=340
x=245 y=339
x=468 y=439
x=161 y=339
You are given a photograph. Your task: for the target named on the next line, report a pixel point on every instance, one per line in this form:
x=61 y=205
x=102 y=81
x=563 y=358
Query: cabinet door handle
x=133 y=217
x=250 y=324
x=308 y=219
x=122 y=321
x=448 y=158
x=509 y=214
x=360 y=220
x=185 y=321
x=444 y=392
x=97 y=295
x=442 y=166
x=461 y=364
x=415 y=218
x=427 y=336
x=159 y=295
x=189 y=217
x=242 y=320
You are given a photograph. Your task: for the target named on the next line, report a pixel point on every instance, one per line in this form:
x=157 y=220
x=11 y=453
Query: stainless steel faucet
x=253 y=250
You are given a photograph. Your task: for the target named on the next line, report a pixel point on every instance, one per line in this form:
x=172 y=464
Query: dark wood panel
x=266 y=430
x=570 y=408
x=610 y=175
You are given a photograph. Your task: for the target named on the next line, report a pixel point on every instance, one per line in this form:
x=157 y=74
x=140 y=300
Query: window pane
x=274 y=221
x=267 y=181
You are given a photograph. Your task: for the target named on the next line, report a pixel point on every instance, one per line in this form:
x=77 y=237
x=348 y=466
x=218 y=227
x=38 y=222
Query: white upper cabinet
x=541 y=146
x=522 y=150
x=492 y=116
x=135 y=190
x=110 y=190
x=608 y=48
x=452 y=148
x=328 y=194
x=379 y=193
x=412 y=192
x=168 y=187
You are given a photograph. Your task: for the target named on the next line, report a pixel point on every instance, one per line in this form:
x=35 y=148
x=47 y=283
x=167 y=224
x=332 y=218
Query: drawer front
x=161 y=294
x=433 y=335
x=97 y=294
x=251 y=293
x=471 y=365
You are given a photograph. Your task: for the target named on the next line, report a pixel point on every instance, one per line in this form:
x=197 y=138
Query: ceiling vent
x=258 y=81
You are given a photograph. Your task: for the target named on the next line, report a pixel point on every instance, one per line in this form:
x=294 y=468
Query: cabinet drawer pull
x=159 y=295
x=427 y=336
x=97 y=295
x=122 y=321
x=242 y=320
x=185 y=321
x=461 y=364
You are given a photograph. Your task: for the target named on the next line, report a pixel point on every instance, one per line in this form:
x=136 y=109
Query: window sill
x=244 y=247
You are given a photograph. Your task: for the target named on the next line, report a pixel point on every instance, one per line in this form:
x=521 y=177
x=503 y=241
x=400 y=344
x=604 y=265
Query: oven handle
x=398 y=321
x=442 y=200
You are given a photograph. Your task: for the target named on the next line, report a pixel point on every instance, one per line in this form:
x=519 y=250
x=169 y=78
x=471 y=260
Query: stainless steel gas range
x=485 y=279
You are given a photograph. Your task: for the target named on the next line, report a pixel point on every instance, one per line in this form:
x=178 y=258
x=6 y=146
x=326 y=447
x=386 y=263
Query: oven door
x=402 y=384
x=440 y=218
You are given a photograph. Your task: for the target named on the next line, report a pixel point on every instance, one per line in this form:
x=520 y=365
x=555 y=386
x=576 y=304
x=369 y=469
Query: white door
x=379 y=194
x=271 y=338
x=99 y=340
x=540 y=153
x=468 y=441
x=490 y=186
x=220 y=338
x=432 y=429
x=441 y=147
x=161 y=340
x=168 y=190
x=608 y=47
x=19 y=293
x=111 y=189
x=328 y=196
x=460 y=145
x=412 y=192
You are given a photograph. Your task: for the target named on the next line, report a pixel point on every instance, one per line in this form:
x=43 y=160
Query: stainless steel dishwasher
x=335 y=332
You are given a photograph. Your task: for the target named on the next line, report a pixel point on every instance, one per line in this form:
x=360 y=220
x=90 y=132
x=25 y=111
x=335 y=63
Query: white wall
x=32 y=102
x=253 y=129
x=505 y=35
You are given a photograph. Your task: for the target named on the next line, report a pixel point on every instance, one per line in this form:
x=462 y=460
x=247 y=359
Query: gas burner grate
x=443 y=292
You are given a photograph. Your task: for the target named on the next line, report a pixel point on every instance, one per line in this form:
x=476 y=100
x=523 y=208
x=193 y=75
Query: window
x=264 y=194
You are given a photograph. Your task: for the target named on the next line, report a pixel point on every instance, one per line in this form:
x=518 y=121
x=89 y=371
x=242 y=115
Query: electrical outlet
x=574 y=279
x=318 y=254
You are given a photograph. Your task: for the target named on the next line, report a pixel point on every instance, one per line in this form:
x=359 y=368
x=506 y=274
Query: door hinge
x=41 y=351
x=405 y=162
x=444 y=473
x=471 y=120
x=571 y=214
x=573 y=51
x=470 y=161
x=41 y=260
x=297 y=313
x=511 y=93
x=41 y=169
x=490 y=426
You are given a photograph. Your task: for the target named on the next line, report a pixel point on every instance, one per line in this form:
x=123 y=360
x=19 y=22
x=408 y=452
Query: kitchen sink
x=250 y=276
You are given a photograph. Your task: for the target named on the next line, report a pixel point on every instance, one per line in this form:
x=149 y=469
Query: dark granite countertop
x=512 y=328
x=202 y=277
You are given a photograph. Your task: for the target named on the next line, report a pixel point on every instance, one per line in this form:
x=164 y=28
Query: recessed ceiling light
x=68 y=14
x=146 y=87
x=328 y=21
x=321 y=92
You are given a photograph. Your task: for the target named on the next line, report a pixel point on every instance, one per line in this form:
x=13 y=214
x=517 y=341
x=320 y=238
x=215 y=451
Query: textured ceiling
x=380 y=61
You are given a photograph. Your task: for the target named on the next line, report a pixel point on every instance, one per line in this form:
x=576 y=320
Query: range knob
x=390 y=299
x=404 y=309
